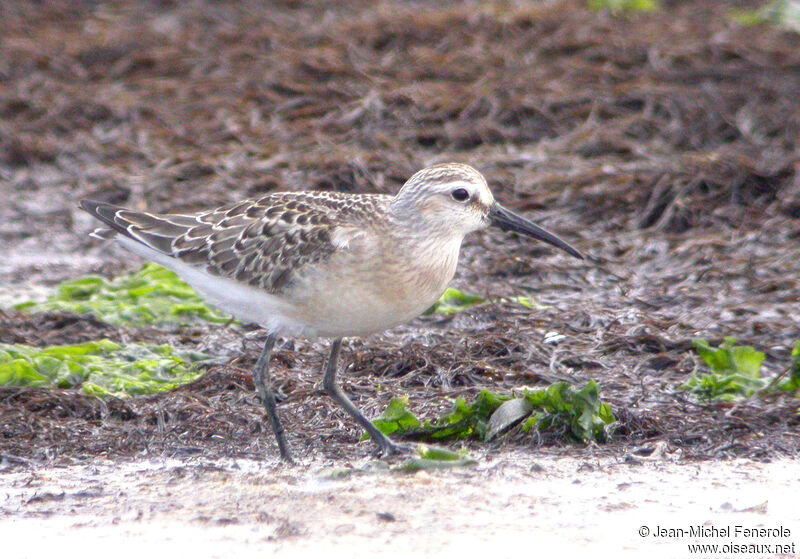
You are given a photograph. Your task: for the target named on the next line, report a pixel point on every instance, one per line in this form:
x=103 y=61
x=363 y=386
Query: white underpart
x=246 y=303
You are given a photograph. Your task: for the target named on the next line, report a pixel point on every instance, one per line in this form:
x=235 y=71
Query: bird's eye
x=460 y=195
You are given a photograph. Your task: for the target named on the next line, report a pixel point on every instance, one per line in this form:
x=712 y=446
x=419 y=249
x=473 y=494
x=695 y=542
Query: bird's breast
x=373 y=286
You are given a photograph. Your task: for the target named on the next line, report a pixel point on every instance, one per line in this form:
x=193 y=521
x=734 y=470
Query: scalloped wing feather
x=265 y=243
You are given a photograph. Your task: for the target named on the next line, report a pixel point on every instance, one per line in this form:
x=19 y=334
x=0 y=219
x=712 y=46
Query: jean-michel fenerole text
x=708 y=531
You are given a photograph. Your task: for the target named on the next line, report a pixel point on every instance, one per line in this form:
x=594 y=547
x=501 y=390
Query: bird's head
x=453 y=199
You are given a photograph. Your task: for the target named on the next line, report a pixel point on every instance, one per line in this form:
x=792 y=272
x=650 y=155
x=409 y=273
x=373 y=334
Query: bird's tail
x=155 y=231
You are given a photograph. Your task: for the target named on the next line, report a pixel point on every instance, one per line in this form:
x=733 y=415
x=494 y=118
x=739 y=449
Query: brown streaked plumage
x=323 y=263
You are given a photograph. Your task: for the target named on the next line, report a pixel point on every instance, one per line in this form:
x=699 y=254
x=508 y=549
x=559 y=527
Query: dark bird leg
x=261 y=380
x=385 y=445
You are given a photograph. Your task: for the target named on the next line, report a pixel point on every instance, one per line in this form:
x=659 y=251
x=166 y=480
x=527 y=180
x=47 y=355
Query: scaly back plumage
x=264 y=242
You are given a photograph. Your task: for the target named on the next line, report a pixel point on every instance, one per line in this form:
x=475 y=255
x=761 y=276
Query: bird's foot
x=288 y=460
x=392 y=449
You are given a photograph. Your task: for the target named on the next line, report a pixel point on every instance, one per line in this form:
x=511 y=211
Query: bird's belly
x=363 y=299
x=359 y=310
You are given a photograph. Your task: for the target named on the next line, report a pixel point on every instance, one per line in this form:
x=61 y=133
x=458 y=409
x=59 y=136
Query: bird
x=320 y=264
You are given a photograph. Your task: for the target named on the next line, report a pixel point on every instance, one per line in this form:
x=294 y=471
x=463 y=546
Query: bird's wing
x=263 y=242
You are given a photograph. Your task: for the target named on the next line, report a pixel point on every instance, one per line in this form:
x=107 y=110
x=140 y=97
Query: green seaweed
x=560 y=406
x=101 y=368
x=735 y=372
x=777 y=13
x=152 y=296
x=582 y=411
x=625 y=7
x=466 y=420
x=454 y=301
x=793 y=384
x=396 y=418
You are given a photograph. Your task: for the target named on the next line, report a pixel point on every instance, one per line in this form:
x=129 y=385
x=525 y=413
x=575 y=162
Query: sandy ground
x=507 y=505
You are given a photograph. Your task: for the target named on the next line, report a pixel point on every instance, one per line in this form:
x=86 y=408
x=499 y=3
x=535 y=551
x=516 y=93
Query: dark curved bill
x=509 y=221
